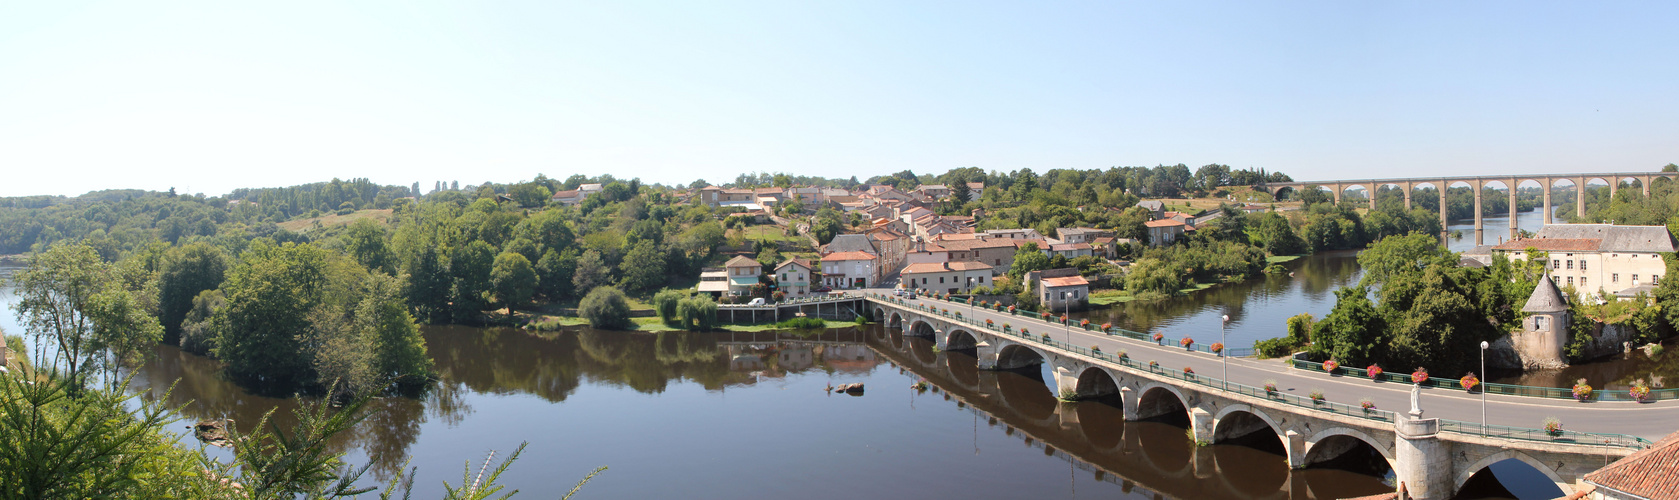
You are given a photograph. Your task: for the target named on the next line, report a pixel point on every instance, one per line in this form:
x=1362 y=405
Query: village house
x=1616 y=260
x=587 y=189
x=1081 y=234
x=1071 y=250
x=716 y=196
x=843 y=270
x=952 y=277
x=1164 y=232
x=975 y=189
x=1012 y=234
x=1060 y=289
x=934 y=191
x=1158 y=208
x=892 y=246
x=714 y=281
x=568 y=197
x=793 y=277
x=743 y=273
x=999 y=253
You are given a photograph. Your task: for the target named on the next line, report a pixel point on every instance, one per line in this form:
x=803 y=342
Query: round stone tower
x=1544 y=336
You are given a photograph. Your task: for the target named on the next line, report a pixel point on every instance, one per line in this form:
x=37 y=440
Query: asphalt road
x=1647 y=420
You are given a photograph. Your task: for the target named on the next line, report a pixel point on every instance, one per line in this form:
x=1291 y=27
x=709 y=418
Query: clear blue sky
x=209 y=96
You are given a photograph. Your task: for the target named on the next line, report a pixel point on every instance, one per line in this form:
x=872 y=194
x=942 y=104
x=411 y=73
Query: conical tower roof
x=1545 y=298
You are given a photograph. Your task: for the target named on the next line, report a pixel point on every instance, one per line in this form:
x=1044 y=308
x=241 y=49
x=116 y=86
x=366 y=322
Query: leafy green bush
x=1274 y=348
x=805 y=323
x=697 y=313
x=606 y=308
x=665 y=303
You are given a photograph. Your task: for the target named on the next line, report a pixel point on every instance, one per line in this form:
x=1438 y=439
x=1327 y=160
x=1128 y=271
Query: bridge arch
x=920 y=328
x=897 y=320
x=959 y=339
x=879 y=313
x=1015 y=355
x=1096 y=382
x=1283 y=192
x=1466 y=473
x=1239 y=420
x=1155 y=399
x=1323 y=446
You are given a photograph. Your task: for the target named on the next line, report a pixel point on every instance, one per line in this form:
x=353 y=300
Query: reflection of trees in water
x=1317 y=277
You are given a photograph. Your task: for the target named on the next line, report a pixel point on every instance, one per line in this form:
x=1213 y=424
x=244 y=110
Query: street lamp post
x=1223 y=356
x=1483 y=386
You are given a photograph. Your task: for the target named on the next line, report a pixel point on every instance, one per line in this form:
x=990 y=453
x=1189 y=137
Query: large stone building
x=792 y=277
x=850 y=269
x=1592 y=258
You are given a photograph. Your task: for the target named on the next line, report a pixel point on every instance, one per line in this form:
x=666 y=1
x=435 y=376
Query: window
x=1556 y=263
x=941 y=279
x=1538 y=322
x=982 y=280
x=1634 y=280
x=1655 y=279
x=1582 y=264
x=1571 y=264
x=1570 y=281
x=999 y=262
x=1615 y=278
x=1582 y=282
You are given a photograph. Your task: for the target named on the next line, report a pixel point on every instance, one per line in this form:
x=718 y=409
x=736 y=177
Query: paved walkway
x=1647 y=420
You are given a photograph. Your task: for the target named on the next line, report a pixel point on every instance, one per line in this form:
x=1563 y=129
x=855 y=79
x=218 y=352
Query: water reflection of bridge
x=1093 y=438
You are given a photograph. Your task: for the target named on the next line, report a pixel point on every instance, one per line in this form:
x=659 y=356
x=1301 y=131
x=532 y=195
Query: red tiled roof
x=797 y=262
x=842 y=256
x=1648 y=473
x=940 y=267
x=1067 y=281
x=1163 y=223
x=1552 y=244
x=740 y=261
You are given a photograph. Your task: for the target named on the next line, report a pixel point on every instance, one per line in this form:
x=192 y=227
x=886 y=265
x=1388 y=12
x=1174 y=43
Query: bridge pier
x=1201 y=422
x=1478 y=229
x=1295 y=444
x=1512 y=187
x=1445 y=234
x=1128 y=404
x=1580 y=198
x=1422 y=462
x=1547 y=208
x=1067 y=412
x=1066 y=382
x=986 y=354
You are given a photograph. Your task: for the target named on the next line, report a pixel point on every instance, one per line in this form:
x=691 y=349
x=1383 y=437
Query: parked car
x=822 y=289
x=756 y=302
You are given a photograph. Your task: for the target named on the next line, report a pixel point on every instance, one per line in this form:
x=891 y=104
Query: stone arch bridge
x=1545 y=181
x=1430 y=458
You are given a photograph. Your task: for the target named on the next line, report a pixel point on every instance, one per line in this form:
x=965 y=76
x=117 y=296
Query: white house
x=953 y=277
x=849 y=269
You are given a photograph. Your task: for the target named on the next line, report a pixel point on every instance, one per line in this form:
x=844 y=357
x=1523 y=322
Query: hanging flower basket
x=1469 y=381
x=1582 y=391
x=1122 y=355
x=1063 y=319
x=1159 y=339
x=1330 y=366
x=1011 y=309
x=1419 y=376
x=1270 y=387
x=1153 y=365
x=1367 y=405
x=1373 y=371
x=1316 y=395
x=988 y=323
x=1188 y=372
x=1186 y=342
x=1553 y=427
x=1096 y=349
x=1107 y=326
x=1084 y=322
x=1024 y=332
x=1045 y=315
x=1218 y=347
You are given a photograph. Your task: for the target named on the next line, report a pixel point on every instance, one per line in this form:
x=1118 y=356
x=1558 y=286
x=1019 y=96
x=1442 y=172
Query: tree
x=530 y=194
x=665 y=303
x=591 y=272
x=606 y=308
x=429 y=286
x=1027 y=259
x=365 y=241
x=826 y=225
x=469 y=270
x=1279 y=238
x=270 y=294
x=554 y=274
x=1401 y=257
x=643 y=268
x=399 y=350
x=697 y=313
x=187 y=271
x=1352 y=332
x=513 y=279
x=68 y=298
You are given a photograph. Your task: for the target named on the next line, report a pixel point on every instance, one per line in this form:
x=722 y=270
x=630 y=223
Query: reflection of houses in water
x=745 y=362
x=795 y=358
x=849 y=358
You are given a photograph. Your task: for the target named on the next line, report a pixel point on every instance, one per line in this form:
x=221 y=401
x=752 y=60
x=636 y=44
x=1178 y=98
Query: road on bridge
x=1647 y=420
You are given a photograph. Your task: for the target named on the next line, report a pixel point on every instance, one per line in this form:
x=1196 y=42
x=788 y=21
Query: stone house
x=1081 y=234
x=1164 y=232
x=953 y=277
x=1060 y=289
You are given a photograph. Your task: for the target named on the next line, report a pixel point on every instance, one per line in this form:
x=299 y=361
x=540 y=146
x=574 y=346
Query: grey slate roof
x=1545 y=298
x=1615 y=238
x=851 y=243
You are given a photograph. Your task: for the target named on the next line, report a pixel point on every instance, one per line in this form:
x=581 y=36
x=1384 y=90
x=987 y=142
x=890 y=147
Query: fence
x=1377 y=415
x=1490 y=388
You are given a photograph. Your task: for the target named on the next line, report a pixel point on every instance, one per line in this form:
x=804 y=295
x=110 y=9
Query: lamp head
x=1484 y=344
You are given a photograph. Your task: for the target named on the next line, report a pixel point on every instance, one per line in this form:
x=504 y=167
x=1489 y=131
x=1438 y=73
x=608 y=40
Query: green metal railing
x=1376 y=415
x=1238 y=352
x=1598 y=394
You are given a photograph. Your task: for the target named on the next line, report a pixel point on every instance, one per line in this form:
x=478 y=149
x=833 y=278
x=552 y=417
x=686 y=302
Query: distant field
x=771 y=233
x=380 y=216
